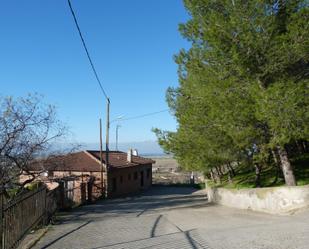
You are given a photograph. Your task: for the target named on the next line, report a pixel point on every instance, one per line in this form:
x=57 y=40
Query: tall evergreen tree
x=243 y=85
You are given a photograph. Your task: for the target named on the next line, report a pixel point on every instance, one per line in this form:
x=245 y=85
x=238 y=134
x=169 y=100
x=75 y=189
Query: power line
x=85 y=47
x=144 y=115
x=95 y=72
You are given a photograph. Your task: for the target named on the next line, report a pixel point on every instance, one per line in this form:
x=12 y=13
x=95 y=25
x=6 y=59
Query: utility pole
x=99 y=83
x=117 y=127
x=107 y=130
x=107 y=146
x=101 y=158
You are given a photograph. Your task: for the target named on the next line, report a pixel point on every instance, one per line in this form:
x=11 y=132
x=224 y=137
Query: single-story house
x=84 y=172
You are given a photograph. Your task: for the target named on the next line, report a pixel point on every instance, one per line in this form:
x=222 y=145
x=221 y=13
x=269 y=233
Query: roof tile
x=87 y=161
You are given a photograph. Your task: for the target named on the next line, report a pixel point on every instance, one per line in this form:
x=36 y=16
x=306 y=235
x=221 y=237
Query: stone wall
x=276 y=200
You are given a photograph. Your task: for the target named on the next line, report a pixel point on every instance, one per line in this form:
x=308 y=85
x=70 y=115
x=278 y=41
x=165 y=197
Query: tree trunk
x=300 y=147
x=258 y=170
x=286 y=167
x=230 y=177
x=277 y=163
x=218 y=175
x=212 y=175
x=305 y=146
x=220 y=171
x=230 y=167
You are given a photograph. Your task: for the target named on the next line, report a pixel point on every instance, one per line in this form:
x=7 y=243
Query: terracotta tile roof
x=79 y=161
x=118 y=159
x=87 y=161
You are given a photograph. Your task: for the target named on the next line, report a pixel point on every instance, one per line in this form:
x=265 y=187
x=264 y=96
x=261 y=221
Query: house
x=86 y=178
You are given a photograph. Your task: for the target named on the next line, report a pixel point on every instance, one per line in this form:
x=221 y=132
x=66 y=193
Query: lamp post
x=108 y=123
x=107 y=131
x=117 y=128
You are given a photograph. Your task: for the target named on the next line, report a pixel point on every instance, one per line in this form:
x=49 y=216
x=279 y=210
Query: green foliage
x=284 y=106
x=33 y=186
x=243 y=85
x=245 y=178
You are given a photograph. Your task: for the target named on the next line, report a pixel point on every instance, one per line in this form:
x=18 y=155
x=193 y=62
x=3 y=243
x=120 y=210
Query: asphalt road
x=168 y=217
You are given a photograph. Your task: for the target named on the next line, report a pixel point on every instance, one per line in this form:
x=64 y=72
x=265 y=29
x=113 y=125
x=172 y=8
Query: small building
x=87 y=178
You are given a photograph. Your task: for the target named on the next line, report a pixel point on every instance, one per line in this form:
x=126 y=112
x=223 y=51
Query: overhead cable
x=144 y=115
x=87 y=52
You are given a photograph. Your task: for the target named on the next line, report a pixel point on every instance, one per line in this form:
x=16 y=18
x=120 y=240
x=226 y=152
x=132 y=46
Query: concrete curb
x=31 y=239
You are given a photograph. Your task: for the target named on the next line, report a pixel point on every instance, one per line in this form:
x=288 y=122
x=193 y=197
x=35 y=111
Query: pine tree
x=243 y=85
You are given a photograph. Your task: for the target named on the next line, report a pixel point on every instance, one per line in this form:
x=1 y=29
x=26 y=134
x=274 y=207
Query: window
x=121 y=179
x=135 y=175
x=148 y=173
x=129 y=177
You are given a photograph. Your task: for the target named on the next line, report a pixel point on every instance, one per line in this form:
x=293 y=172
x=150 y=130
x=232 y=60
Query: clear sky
x=132 y=44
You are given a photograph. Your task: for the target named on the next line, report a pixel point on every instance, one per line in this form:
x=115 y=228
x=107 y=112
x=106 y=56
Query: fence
x=75 y=191
x=21 y=214
x=53 y=202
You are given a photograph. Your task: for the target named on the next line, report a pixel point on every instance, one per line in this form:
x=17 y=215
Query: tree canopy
x=29 y=130
x=243 y=84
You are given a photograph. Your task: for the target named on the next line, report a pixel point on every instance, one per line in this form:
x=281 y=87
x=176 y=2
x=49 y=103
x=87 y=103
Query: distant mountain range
x=145 y=148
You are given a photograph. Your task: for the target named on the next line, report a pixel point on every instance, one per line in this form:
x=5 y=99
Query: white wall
x=276 y=200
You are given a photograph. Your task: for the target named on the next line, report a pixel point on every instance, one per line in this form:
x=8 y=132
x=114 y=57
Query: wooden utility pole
x=107 y=130
x=101 y=158
x=107 y=147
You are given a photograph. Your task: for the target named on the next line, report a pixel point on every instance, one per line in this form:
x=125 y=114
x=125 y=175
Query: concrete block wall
x=275 y=200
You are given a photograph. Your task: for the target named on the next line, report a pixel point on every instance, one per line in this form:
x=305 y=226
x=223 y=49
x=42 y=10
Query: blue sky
x=132 y=44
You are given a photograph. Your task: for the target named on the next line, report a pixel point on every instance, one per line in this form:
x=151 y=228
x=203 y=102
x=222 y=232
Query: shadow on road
x=153 y=230
x=66 y=234
x=156 y=198
x=144 y=214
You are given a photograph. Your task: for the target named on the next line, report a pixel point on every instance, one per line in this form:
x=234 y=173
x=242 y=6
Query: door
x=69 y=190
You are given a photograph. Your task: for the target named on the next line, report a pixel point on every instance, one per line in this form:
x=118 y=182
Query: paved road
x=166 y=217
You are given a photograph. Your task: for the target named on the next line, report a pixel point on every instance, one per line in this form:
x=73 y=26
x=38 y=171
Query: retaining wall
x=276 y=200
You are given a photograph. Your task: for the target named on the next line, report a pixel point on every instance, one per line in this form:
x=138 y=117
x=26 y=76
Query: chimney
x=129 y=156
x=135 y=152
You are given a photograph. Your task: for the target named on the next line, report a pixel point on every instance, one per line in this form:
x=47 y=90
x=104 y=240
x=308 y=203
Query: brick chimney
x=129 y=156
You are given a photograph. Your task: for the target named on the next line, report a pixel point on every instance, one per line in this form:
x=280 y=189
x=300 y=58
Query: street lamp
x=117 y=119
x=117 y=127
x=108 y=122
x=107 y=133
